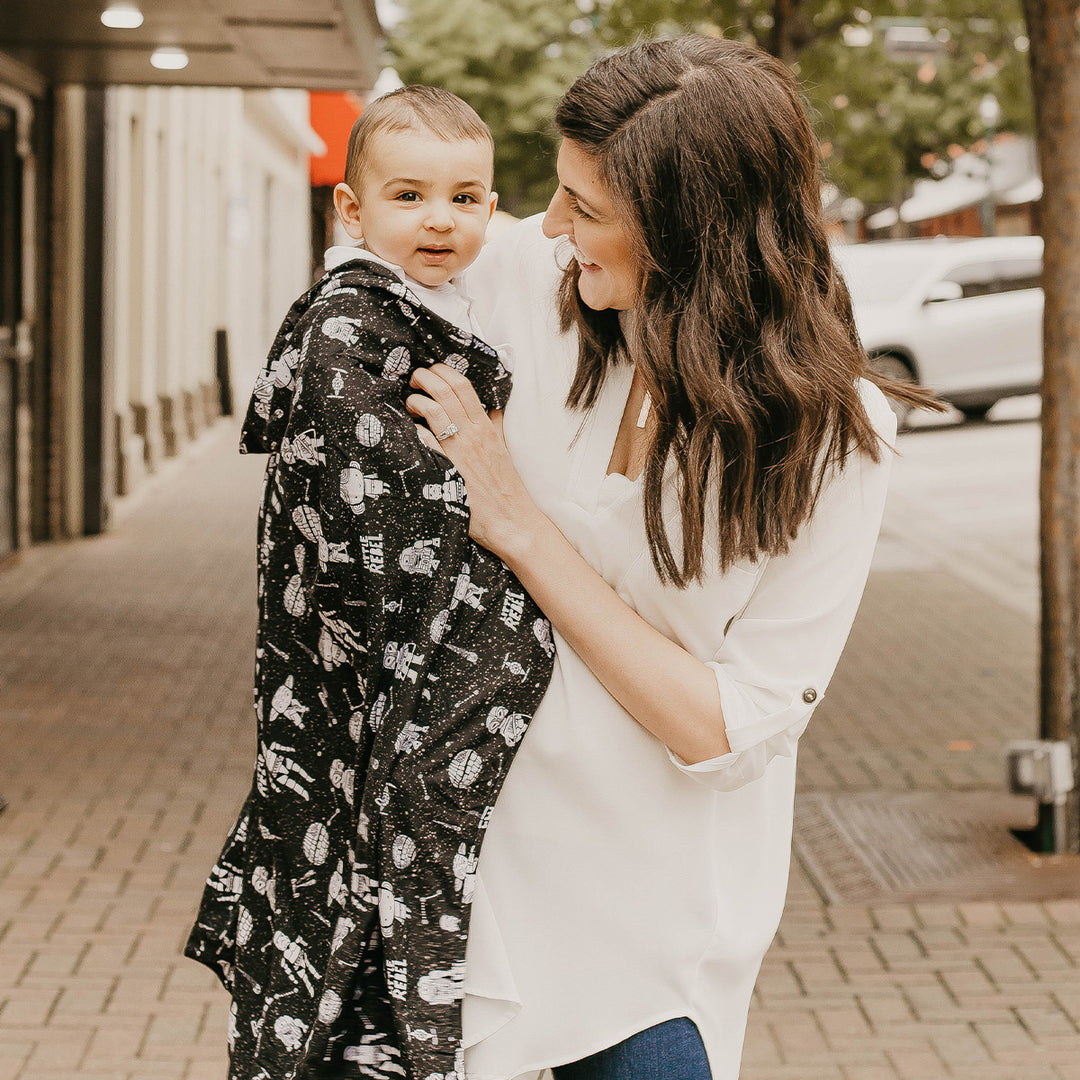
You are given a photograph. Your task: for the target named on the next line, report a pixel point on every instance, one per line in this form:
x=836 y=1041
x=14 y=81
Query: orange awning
x=332 y=117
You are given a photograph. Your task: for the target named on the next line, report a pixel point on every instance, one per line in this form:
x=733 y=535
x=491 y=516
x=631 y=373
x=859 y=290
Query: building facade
x=154 y=227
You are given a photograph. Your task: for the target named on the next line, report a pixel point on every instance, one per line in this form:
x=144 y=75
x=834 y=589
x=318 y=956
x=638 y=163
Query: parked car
x=961 y=316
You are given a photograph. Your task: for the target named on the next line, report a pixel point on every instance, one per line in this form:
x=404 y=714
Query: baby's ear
x=347 y=206
x=494 y=202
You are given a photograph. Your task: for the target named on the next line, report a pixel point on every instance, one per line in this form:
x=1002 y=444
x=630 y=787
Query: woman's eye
x=575 y=208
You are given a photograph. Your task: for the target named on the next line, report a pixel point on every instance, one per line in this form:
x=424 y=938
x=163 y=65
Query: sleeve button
x=809 y=695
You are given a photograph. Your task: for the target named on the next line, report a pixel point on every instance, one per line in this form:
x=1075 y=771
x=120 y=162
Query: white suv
x=961 y=316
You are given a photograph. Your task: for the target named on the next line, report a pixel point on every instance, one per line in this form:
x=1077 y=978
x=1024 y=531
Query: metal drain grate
x=924 y=846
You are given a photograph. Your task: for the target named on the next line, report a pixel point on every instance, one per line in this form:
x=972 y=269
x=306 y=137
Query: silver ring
x=447 y=432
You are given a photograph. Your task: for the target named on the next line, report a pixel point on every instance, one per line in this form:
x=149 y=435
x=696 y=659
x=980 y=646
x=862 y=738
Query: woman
x=689 y=482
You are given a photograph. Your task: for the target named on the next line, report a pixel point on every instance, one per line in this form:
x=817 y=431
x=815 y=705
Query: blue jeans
x=669 y=1051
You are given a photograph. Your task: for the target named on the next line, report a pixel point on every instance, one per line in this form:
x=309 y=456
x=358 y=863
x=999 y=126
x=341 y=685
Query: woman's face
x=582 y=210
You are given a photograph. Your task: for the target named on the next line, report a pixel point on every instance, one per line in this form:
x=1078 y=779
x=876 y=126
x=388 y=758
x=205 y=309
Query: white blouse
x=617 y=886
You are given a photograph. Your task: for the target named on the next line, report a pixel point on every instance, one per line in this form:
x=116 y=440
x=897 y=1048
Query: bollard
x=1043 y=768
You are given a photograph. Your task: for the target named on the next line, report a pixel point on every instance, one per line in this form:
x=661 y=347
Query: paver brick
x=13 y=1055
x=172 y=1031
x=778 y=981
x=1064 y=912
x=917 y=1063
x=1063 y=1057
x=982 y=913
x=969 y=982
x=1069 y=944
x=817 y=974
x=847 y=918
x=158 y=1070
x=115 y=1045
x=760 y=1048
x=894 y=916
x=844 y=1026
x=1048 y=1021
x=1046 y=955
x=205 y=1070
x=800 y=1039
x=61 y=959
x=26 y=1007
x=808 y=1071
x=1005 y=966
x=1021 y=913
x=83 y=998
x=896 y=949
x=869 y=1072
x=62 y=1048
x=931 y=1001
x=958 y=1045
x=134 y=993
x=857 y=958
x=1004 y=1036
x=936 y=915
x=884 y=1011
x=995 y=1072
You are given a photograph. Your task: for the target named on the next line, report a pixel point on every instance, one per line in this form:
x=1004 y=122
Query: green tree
x=511 y=60
x=885 y=118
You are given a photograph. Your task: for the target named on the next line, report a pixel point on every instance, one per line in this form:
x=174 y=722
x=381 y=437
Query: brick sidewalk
x=126 y=743
x=936 y=679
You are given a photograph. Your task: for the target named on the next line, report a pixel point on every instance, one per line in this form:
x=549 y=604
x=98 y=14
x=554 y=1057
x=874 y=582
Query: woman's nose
x=557 y=219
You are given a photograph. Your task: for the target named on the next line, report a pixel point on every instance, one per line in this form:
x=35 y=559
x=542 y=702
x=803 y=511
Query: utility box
x=1040 y=767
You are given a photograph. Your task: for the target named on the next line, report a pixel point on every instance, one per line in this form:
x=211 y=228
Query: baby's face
x=425 y=202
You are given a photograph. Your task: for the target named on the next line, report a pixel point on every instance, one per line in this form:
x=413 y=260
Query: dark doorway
x=11 y=226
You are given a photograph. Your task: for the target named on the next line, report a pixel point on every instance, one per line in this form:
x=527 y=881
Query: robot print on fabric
x=397 y=667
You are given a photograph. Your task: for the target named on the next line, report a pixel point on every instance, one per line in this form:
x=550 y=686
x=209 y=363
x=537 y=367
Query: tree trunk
x=780 y=41
x=1055 y=72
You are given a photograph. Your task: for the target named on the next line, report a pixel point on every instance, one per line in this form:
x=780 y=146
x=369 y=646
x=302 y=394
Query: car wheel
x=895 y=367
x=976 y=412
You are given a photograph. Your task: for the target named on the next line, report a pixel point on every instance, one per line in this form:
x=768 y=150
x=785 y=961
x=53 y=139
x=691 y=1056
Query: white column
x=147 y=243
x=171 y=196
x=122 y=287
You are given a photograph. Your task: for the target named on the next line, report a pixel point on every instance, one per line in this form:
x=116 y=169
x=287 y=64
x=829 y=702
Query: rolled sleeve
x=730 y=771
x=779 y=653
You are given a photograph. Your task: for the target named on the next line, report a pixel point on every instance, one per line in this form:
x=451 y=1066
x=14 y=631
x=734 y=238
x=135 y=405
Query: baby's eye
x=408 y=196
x=465 y=197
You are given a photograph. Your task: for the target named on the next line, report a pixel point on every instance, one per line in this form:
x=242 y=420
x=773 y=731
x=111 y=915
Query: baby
x=417 y=195
x=397 y=663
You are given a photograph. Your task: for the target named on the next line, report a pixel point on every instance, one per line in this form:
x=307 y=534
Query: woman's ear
x=347 y=206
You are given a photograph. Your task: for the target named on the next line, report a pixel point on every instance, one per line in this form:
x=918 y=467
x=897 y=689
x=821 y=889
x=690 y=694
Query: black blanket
x=397 y=667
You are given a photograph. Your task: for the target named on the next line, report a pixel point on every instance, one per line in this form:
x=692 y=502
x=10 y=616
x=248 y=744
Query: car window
x=1016 y=274
x=997 y=276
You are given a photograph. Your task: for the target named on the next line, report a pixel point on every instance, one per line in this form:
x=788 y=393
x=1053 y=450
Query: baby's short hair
x=407 y=108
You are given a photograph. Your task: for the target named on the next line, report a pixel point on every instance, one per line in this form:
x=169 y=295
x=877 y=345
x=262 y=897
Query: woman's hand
x=503 y=518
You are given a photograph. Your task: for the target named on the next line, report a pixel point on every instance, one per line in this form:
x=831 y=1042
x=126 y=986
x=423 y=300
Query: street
x=965 y=497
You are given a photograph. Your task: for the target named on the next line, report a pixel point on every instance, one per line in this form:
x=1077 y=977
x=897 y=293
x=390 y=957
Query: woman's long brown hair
x=743 y=330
